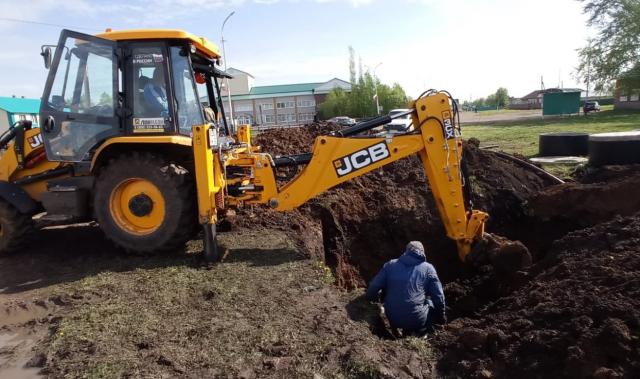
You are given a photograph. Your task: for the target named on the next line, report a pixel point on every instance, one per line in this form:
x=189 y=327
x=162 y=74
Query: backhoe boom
x=336 y=159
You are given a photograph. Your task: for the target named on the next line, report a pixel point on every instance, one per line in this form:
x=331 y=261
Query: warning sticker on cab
x=148 y=125
x=146 y=59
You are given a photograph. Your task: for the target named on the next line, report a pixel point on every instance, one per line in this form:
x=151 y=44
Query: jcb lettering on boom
x=35 y=141
x=449 y=131
x=361 y=158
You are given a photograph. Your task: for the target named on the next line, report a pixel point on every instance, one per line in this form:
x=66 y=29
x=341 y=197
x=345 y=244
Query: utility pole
x=375 y=86
x=588 y=68
x=225 y=69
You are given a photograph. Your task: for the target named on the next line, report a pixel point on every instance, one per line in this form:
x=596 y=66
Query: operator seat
x=141 y=102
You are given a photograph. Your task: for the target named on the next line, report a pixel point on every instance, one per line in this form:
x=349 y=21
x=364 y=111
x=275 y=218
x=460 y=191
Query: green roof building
x=13 y=109
x=281 y=105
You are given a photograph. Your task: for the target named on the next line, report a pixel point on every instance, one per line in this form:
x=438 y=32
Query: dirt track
x=75 y=305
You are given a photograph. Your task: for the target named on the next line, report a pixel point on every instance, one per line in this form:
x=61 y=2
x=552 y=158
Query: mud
x=367 y=221
x=578 y=316
x=268 y=312
x=24 y=324
x=566 y=316
x=599 y=196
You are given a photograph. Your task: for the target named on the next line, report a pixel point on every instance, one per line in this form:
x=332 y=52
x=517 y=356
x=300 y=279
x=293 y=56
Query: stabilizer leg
x=211 y=250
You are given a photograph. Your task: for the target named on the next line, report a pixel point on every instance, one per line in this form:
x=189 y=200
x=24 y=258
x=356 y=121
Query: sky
x=468 y=47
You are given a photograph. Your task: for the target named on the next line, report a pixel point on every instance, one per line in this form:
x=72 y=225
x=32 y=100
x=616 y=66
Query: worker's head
x=158 y=76
x=416 y=248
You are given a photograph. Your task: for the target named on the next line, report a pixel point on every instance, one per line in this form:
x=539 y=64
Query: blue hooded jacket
x=408 y=282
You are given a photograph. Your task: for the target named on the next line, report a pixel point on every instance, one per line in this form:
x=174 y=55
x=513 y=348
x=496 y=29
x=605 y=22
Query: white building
x=285 y=104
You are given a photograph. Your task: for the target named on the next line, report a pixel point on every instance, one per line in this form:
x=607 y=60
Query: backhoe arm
x=338 y=159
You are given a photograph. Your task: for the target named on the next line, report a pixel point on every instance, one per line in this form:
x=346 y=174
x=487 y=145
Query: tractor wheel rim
x=132 y=220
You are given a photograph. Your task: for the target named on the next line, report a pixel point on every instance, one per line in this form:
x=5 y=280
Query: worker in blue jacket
x=413 y=297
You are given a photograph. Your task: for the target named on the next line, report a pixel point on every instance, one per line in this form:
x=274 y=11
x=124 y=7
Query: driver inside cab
x=155 y=94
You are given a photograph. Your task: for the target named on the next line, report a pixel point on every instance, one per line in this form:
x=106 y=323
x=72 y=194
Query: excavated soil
x=365 y=222
x=598 y=196
x=572 y=314
x=577 y=317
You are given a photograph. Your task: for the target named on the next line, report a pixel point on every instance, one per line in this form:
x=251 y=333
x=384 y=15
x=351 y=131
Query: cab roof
x=201 y=44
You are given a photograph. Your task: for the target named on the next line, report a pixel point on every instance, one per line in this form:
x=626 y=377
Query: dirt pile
x=579 y=315
x=283 y=141
x=367 y=221
x=597 y=197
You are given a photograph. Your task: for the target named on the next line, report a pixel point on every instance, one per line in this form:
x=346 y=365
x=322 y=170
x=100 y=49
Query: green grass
x=521 y=137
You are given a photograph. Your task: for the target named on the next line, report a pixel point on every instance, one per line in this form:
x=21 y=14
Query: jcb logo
x=35 y=141
x=449 y=131
x=361 y=158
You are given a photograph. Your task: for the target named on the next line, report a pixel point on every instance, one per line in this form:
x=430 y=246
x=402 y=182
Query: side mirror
x=46 y=54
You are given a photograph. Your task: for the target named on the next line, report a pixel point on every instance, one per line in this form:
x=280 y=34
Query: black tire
x=563 y=144
x=174 y=183
x=15 y=228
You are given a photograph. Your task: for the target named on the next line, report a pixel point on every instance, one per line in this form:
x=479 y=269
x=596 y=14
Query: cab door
x=78 y=108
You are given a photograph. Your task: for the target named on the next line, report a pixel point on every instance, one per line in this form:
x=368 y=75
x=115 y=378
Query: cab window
x=150 y=100
x=189 y=112
x=84 y=82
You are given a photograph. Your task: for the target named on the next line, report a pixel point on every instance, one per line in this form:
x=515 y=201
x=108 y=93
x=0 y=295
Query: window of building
x=269 y=118
x=306 y=103
x=245 y=119
x=623 y=98
x=287 y=117
x=266 y=106
x=303 y=117
x=635 y=95
x=243 y=107
x=285 y=104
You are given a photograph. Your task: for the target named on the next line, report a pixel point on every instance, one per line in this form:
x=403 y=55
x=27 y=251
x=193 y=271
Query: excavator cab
x=99 y=88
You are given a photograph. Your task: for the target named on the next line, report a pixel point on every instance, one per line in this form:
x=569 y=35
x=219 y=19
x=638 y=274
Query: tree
x=105 y=99
x=392 y=97
x=502 y=97
x=499 y=99
x=352 y=65
x=616 y=48
x=361 y=102
x=335 y=104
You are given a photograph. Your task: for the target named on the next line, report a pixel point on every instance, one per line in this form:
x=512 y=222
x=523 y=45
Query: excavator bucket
x=506 y=256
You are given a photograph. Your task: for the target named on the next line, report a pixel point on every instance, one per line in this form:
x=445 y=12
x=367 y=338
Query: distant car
x=402 y=124
x=342 y=120
x=591 y=106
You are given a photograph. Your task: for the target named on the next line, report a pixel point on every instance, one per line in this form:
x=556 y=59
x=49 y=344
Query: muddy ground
x=86 y=309
x=287 y=300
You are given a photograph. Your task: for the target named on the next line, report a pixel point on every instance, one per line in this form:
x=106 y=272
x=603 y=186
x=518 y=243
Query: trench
x=365 y=222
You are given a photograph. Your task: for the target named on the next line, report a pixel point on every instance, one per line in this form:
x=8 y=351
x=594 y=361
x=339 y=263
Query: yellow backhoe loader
x=133 y=135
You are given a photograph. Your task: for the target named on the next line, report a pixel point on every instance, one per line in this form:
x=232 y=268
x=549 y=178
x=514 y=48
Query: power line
x=46 y=24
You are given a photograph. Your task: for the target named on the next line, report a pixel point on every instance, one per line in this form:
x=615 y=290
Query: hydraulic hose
x=528 y=165
x=7 y=137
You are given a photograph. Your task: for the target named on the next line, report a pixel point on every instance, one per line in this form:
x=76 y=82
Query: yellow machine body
x=227 y=170
x=13 y=166
x=339 y=159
